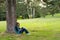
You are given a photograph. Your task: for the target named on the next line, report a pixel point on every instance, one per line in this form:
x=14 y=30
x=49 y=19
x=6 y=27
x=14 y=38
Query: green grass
x=40 y=29
x=57 y=15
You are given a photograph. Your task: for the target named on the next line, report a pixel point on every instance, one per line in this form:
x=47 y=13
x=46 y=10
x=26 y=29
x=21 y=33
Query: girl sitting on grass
x=20 y=30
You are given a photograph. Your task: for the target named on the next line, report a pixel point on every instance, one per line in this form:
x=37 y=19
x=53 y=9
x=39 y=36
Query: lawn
x=39 y=28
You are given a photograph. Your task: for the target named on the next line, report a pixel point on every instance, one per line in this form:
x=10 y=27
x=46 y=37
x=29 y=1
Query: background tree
x=53 y=6
x=2 y=10
x=32 y=8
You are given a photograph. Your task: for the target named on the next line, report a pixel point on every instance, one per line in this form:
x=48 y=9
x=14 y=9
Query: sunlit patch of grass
x=41 y=23
x=2 y=26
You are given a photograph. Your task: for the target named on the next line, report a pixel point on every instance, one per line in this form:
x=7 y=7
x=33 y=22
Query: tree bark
x=11 y=15
x=33 y=14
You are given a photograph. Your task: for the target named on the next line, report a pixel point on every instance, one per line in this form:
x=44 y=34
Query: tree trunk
x=33 y=14
x=11 y=15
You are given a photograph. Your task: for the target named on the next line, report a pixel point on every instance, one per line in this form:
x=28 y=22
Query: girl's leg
x=24 y=30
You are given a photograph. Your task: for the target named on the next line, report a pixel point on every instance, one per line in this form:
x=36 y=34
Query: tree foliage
x=25 y=8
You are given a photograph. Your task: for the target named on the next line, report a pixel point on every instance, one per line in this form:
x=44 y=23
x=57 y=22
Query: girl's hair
x=17 y=23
